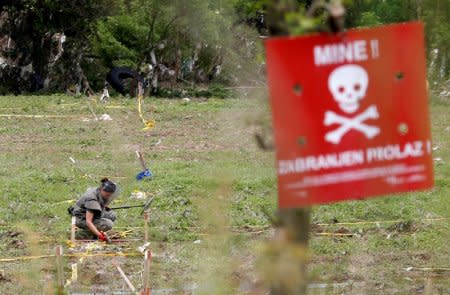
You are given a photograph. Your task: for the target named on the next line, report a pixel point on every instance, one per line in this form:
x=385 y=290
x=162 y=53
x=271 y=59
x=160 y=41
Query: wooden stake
x=146 y=276
x=72 y=230
x=59 y=269
x=125 y=278
x=145 y=227
x=428 y=286
x=74 y=277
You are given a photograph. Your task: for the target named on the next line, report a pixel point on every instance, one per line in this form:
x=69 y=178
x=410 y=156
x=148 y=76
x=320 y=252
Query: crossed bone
x=348 y=124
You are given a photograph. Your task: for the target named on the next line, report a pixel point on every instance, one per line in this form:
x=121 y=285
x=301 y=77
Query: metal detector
x=144 y=206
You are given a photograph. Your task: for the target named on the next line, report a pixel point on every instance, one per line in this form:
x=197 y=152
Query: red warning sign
x=350 y=114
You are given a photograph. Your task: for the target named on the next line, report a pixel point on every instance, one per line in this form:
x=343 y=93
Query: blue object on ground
x=146 y=174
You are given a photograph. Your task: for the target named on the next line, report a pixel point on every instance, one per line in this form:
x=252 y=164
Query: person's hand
x=103 y=237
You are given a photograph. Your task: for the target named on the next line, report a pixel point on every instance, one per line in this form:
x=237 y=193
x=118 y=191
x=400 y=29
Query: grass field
x=209 y=177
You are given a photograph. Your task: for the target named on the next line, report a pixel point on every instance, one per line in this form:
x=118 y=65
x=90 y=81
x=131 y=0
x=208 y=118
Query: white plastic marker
x=144 y=247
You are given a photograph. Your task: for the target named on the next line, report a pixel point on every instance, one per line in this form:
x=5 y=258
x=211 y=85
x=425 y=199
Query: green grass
x=208 y=174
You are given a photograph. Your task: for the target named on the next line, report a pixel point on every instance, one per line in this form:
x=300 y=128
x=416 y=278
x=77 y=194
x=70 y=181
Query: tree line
x=70 y=45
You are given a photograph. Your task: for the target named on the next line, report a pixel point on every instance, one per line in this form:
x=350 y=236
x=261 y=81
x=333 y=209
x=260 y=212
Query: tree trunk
x=418 y=9
x=128 y=5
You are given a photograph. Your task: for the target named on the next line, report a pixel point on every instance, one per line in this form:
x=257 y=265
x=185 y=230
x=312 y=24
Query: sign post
x=294 y=223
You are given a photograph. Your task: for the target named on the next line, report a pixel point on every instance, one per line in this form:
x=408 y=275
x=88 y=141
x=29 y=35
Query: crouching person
x=93 y=217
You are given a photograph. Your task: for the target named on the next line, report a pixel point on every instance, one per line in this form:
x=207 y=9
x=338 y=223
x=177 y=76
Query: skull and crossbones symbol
x=348 y=85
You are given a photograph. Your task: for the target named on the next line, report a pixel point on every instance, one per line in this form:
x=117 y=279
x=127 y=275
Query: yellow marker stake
x=149 y=124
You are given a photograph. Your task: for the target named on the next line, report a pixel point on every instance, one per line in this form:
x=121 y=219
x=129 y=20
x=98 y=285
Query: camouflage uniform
x=103 y=217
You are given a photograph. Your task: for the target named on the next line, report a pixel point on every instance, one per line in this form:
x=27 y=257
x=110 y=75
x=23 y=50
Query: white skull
x=348 y=85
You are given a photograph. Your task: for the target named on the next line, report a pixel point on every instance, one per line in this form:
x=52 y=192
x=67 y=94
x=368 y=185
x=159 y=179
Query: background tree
x=435 y=14
x=38 y=30
x=62 y=44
